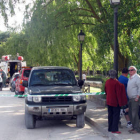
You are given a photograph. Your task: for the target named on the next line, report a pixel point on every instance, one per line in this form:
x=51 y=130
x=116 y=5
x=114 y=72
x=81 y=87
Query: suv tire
x=30 y=120
x=80 y=120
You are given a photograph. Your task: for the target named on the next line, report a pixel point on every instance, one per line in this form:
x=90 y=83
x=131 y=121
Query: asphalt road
x=12 y=124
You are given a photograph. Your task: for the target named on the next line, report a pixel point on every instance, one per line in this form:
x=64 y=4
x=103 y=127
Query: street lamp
x=115 y=3
x=81 y=37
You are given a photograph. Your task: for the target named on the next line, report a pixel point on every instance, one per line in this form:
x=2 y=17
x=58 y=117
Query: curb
x=101 y=129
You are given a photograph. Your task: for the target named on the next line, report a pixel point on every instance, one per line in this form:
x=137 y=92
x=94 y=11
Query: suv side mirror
x=25 y=83
x=80 y=83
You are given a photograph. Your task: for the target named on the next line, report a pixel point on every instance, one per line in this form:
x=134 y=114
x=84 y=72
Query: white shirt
x=83 y=76
x=133 y=86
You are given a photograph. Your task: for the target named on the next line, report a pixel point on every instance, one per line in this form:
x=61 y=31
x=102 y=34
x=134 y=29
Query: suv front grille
x=65 y=99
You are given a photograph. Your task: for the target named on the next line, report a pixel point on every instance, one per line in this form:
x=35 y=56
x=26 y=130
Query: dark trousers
x=0 y=86
x=133 y=114
x=113 y=118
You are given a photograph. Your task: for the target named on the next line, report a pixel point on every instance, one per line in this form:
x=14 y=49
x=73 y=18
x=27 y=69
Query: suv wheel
x=80 y=120
x=30 y=120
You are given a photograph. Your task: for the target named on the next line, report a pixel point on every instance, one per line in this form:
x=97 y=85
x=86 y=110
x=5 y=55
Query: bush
x=103 y=84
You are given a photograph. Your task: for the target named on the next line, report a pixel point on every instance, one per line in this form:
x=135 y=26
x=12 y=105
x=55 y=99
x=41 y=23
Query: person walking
x=133 y=92
x=115 y=98
x=124 y=80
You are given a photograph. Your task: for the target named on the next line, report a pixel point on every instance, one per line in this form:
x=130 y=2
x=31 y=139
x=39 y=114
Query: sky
x=15 y=20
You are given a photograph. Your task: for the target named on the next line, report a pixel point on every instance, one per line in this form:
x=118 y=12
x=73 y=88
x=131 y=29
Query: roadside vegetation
x=50 y=29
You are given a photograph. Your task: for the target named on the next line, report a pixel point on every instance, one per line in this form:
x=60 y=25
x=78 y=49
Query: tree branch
x=76 y=9
x=96 y=16
x=79 y=24
x=100 y=6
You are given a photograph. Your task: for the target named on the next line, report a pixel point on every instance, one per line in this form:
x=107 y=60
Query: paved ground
x=97 y=116
x=12 y=124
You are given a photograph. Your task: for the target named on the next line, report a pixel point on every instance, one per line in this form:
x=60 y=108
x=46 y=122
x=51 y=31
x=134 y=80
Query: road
x=12 y=124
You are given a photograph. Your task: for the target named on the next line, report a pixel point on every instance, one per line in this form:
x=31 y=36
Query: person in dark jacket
x=115 y=98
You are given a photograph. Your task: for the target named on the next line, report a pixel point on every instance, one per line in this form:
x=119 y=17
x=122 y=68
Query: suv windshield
x=50 y=77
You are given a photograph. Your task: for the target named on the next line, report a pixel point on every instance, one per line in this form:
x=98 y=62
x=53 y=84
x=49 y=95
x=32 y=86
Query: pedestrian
x=115 y=98
x=133 y=92
x=1 y=82
x=84 y=77
x=124 y=80
x=3 y=75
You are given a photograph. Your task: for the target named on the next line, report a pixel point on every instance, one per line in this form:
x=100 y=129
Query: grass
x=93 y=89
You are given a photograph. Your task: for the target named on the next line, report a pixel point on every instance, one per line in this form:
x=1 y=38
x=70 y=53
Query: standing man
x=115 y=98
x=84 y=77
x=133 y=92
x=3 y=75
x=124 y=80
x=1 y=82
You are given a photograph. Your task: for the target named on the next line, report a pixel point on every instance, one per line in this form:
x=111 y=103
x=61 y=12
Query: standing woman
x=115 y=98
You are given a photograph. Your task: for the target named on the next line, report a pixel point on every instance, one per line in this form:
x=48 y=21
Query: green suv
x=52 y=93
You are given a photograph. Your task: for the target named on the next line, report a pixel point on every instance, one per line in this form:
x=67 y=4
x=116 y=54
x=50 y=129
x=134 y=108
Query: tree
x=51 y=30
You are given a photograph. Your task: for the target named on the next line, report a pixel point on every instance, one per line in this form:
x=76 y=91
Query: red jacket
x=115 y=92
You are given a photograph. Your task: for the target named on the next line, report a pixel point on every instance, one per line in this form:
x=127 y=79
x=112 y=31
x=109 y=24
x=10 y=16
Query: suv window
x=26 y=73
x=52 y=77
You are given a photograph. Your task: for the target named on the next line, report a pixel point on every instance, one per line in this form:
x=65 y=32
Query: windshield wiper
x=38 y=85
x=61 y=84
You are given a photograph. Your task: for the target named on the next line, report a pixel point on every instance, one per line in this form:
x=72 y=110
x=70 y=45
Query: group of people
x=123 y=93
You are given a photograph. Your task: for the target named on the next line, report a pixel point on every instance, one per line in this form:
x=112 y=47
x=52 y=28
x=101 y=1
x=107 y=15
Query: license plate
x=57 y=110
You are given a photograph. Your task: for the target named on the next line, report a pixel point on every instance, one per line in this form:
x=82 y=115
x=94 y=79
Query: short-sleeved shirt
x=84 y=76
x=124 y=80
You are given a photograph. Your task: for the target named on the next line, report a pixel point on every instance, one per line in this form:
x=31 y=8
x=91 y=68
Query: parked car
x=53 y=81
x=13 y=81
x=23 y=75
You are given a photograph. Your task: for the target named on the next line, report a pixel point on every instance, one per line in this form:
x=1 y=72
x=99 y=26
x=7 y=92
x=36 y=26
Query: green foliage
x=49 y=36
x=103 y=84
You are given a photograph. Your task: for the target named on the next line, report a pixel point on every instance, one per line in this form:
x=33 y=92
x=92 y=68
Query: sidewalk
x=97 y=115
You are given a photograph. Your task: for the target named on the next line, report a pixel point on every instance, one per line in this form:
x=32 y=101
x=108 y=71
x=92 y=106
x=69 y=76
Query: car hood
x=55 y=90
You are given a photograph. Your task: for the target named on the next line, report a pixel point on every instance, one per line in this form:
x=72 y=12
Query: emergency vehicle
x=11 y=65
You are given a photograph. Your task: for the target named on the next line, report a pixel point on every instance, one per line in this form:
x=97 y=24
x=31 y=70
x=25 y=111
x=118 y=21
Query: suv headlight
x=37 y=99
x=76 y=98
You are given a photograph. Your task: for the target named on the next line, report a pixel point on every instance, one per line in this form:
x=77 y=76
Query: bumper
x=63 y=110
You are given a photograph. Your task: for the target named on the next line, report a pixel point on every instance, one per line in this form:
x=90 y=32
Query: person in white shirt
x=133 y=92
x=84 y=77
x=1 y=81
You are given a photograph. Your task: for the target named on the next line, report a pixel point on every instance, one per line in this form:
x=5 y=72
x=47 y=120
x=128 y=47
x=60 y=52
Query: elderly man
x=116 y=97
x=133 y=92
